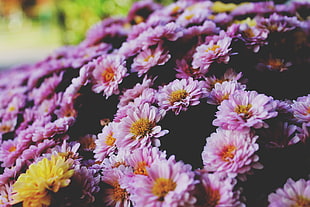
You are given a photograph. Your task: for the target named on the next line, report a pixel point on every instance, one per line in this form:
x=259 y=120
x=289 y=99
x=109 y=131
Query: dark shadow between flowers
x=188 y=132
x=279 y=165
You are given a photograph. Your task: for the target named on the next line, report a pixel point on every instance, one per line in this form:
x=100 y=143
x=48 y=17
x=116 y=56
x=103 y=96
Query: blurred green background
x=31 y=29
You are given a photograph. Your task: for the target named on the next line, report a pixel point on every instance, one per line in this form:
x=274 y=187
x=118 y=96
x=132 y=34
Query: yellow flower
x=219 y=7
x=34 y=187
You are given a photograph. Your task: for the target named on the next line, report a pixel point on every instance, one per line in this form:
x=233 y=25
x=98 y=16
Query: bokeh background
x=32 y=29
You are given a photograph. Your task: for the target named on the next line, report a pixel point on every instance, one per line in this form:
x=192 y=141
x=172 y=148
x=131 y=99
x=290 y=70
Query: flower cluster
x=197 y=103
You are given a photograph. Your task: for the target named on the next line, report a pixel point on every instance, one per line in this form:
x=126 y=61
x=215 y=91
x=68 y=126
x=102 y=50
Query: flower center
x=245 y=110
x=141 y=127
x=162 y=186
x=141 y=168
x=119 y=193
x=276 y=64
x=189 y=17
x=12 y=149
x=148 y=58
x=212 y=197
x=212 y=48
x=227 y=154
x=109 y=140
x=107 y=75
x=178 y=95
x=302 y=202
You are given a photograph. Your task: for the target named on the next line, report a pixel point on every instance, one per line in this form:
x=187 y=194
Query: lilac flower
x=245 y=109
x=148 y=58
x=168 y=184
x=293 y=193
x=213 y=51
x=10 y=150
x=180 y=94
x=231 y=152
x=222 y=91
x=105 y=144
x=139 y=128
x=108 y=73
x=216 y=189
x=301 y=109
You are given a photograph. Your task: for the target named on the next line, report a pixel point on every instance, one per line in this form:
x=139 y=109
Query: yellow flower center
x=138 y=19
x=245 y=110
x=110 y=140
x=162 y=186
x=177 y=95
x=107 y=75
x=148 y=58
x=11 y=108
x=5 y=128
x=212 y=48
x=119 y=193
x=140 y=169
x=220 y=7
x=141 y=127
x=276 y=64
x=227 y=153
x=189 y=17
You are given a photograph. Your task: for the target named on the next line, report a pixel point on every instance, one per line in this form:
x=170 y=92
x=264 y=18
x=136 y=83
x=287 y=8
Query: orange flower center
x=177 y=95
x=12 y=149
x=148 y=58
x=141 y=168
x=227 y=153
x=107 y=75
x=162 y=186
x=302 y=201
x=212 y=197
x=119 y=193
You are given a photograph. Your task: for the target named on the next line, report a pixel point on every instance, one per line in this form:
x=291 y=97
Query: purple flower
x=301 y=109
x=180 y=94
x=293 y=193
x=108 y=73
x=245 y=109
x=148 y=58
x=213 y=51
x=231 y=152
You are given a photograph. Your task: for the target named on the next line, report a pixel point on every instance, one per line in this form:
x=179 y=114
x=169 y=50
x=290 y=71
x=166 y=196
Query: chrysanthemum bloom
x=215 y=190
x=148 y=58
x=185 y=70
x=245 y=109
x=108 y=73
x=178 y=95
x=114 y=194
x=231 y=152
x=35 y=186
x=130 y=94
x=6 y=194
x=210 y=52
x=294 y=193
x=273 y=64
x=301 y=109
x=168 y=184
x=142 y=158
x=105 y=144
x=10 y=150
x=139 y=128
x=222 y=91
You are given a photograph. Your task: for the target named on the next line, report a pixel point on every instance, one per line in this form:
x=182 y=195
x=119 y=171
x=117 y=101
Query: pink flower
x=148 y=58
x=10 y=150
x=245 y=109
x=301 y=109
x=114 y=194
x=222 y=91
x=142 y=158
x=108 y=73
x=213 y=51
x=168 y=184
x=178 y=95
x=139 y=128
x=216 y=189
x=294 y=193
x=232 y=152
x=105 y=144
x=130 y=94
